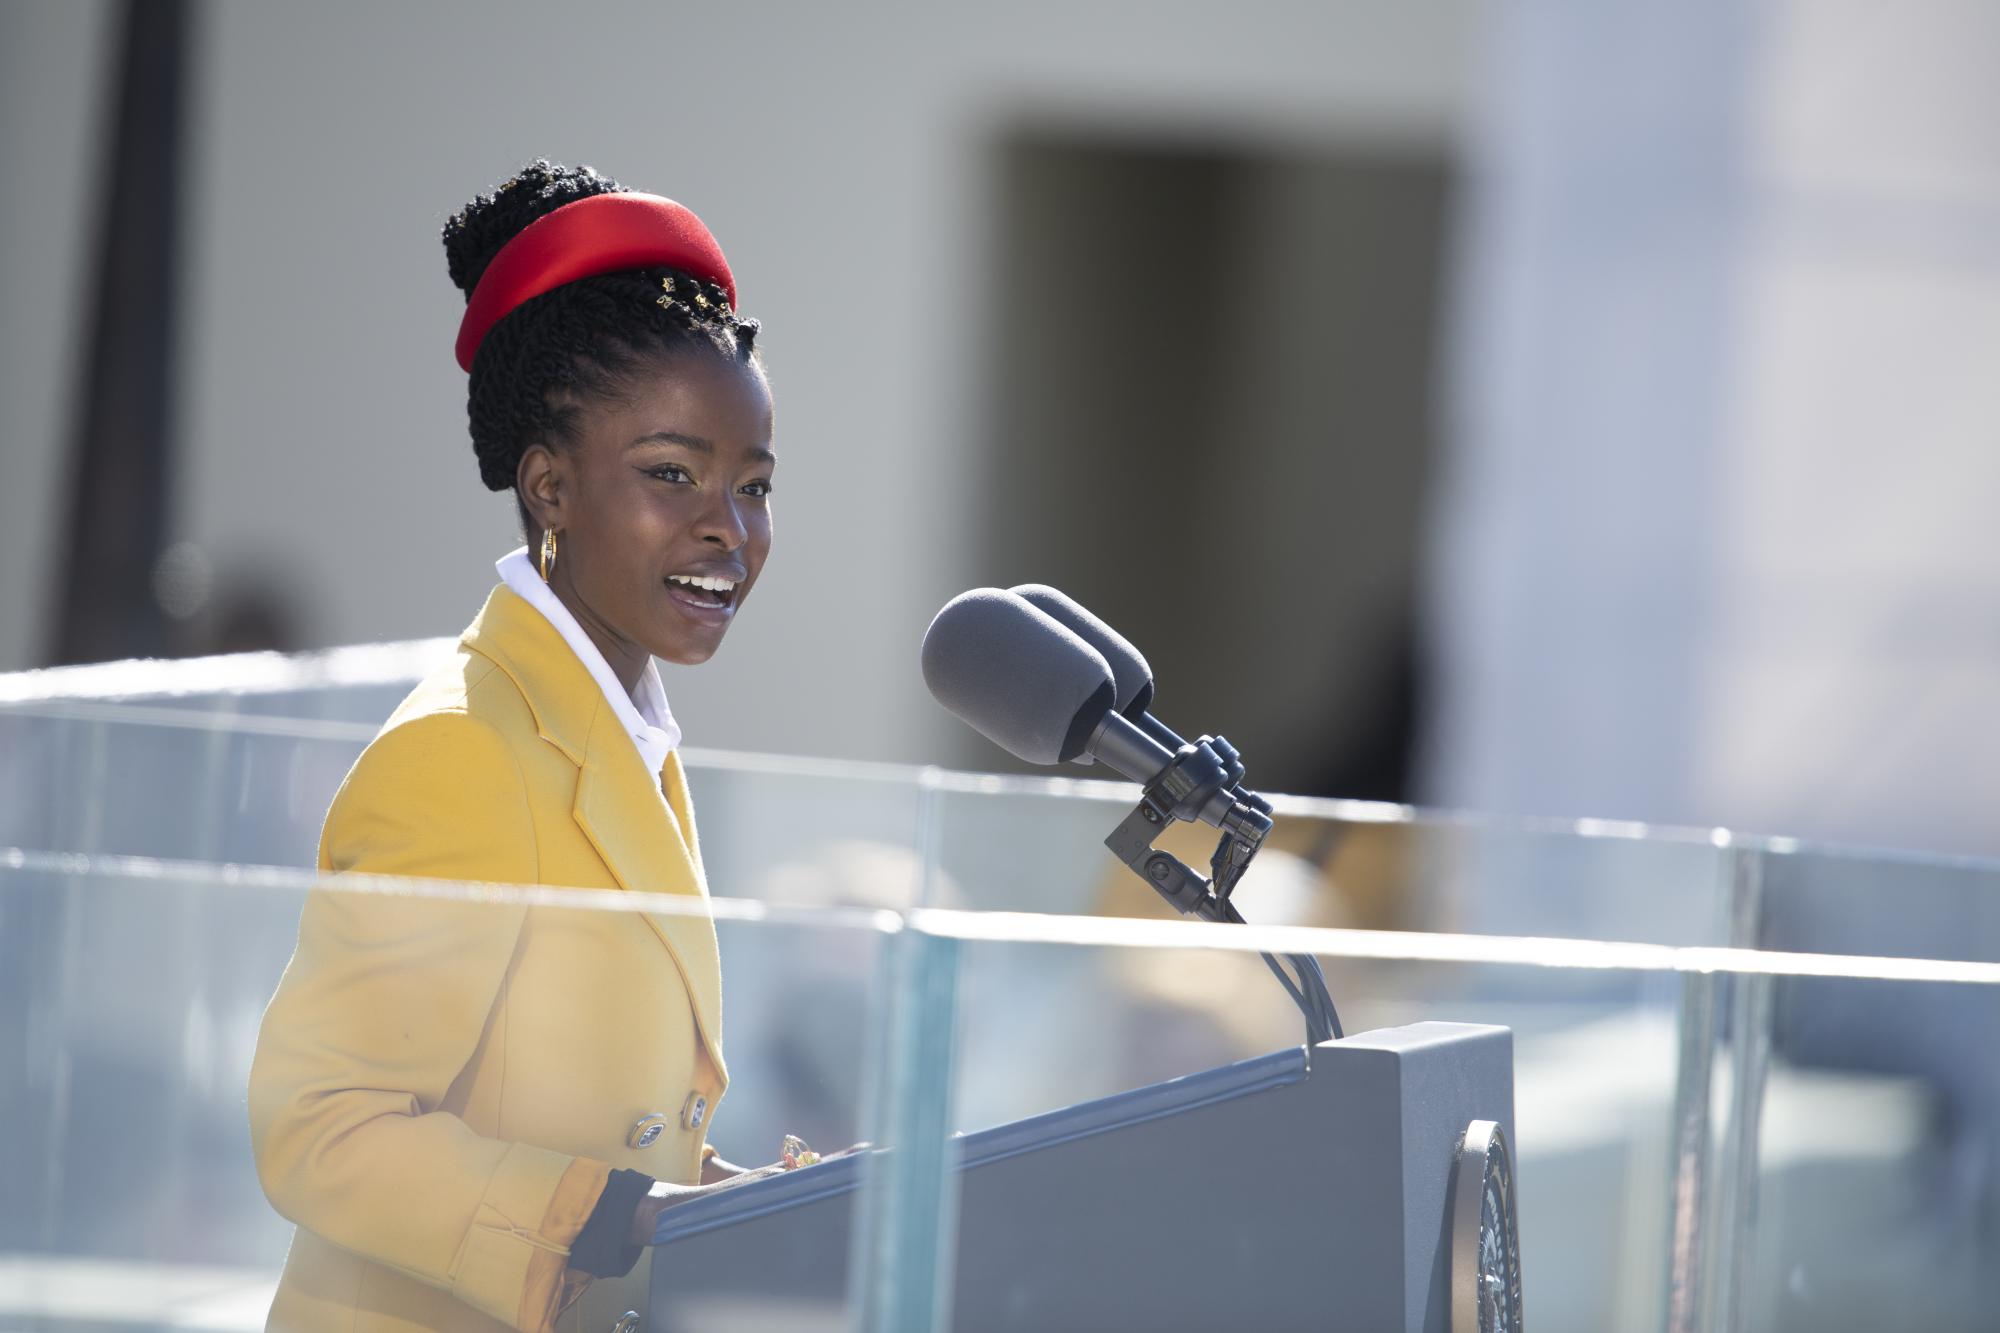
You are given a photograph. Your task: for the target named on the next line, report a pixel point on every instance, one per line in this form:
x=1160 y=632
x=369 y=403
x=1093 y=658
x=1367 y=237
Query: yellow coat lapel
x=621 y=812
x=647 y=847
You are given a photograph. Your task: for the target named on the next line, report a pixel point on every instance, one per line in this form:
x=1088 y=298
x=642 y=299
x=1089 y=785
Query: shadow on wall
x=1212 y=424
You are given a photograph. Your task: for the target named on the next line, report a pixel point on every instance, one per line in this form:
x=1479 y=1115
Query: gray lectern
x=1278 y=1192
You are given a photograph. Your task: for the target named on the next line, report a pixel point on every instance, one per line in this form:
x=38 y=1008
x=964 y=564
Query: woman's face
x=661 y=508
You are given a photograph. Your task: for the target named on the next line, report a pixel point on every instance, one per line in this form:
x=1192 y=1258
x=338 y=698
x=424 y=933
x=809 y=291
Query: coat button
x=694 y=1112
x=646 y=1131
x=627 y=1323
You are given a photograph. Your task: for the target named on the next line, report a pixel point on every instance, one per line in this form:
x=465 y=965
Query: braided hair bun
x=581 y=339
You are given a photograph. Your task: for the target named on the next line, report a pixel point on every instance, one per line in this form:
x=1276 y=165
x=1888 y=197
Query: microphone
x=1019 y=678
x=1135 y=691
x=1128 y=665
x=1041 y=677
x=1030 y=683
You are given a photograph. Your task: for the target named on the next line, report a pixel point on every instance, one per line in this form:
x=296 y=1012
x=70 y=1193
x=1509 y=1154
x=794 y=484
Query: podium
x=1302 y=1189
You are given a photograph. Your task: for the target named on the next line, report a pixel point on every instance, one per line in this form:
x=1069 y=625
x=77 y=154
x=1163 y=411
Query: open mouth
x=701 y=592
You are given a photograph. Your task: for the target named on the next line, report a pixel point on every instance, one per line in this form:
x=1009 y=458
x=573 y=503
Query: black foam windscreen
x=1128 y=665
x=1021 y=679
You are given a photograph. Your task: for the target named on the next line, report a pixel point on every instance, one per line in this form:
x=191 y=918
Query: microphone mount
x=1185 y=790
x=1204 y=781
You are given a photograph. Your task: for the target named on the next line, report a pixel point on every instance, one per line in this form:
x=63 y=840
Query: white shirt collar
x=644 y=713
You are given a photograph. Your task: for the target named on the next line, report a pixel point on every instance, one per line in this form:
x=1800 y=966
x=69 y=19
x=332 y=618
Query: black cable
x=1325 y=997
x=1309 y=992
x=1315 y=1025
x=1210 y=899
x=1299 y=997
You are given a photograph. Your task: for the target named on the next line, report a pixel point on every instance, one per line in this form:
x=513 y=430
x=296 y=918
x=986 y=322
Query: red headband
x=601 y=234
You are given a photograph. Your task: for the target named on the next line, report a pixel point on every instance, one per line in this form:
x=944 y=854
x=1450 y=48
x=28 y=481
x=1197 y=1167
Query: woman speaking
x=475 y=1112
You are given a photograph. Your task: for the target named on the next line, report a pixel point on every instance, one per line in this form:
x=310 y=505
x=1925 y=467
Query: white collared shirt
x=644 y=713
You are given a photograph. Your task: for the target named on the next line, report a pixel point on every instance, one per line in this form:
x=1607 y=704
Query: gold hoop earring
x=548 y=552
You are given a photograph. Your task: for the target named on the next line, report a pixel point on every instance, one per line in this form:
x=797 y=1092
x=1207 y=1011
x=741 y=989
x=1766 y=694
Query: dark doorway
x=1213 y=424
x=121 y=450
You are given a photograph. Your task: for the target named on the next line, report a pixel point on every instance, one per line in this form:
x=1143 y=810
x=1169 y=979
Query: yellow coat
x=441 y=1088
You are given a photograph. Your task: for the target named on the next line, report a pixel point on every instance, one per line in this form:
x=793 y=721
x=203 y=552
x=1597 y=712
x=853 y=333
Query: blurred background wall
x=1541 y=408
x=1716 y=545
x=878 y=174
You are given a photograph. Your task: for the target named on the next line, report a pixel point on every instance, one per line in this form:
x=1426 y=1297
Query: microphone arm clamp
x=1202 y=781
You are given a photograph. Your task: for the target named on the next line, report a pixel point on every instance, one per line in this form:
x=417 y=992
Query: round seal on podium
x=1485 y=1239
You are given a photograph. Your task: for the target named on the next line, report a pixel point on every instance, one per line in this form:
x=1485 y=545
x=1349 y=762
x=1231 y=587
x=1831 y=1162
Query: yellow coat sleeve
x=380 y=1009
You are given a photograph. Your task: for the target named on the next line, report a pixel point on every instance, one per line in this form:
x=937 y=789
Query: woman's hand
x=663 y=1195
x=714 y=1171
x=715 y=1174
